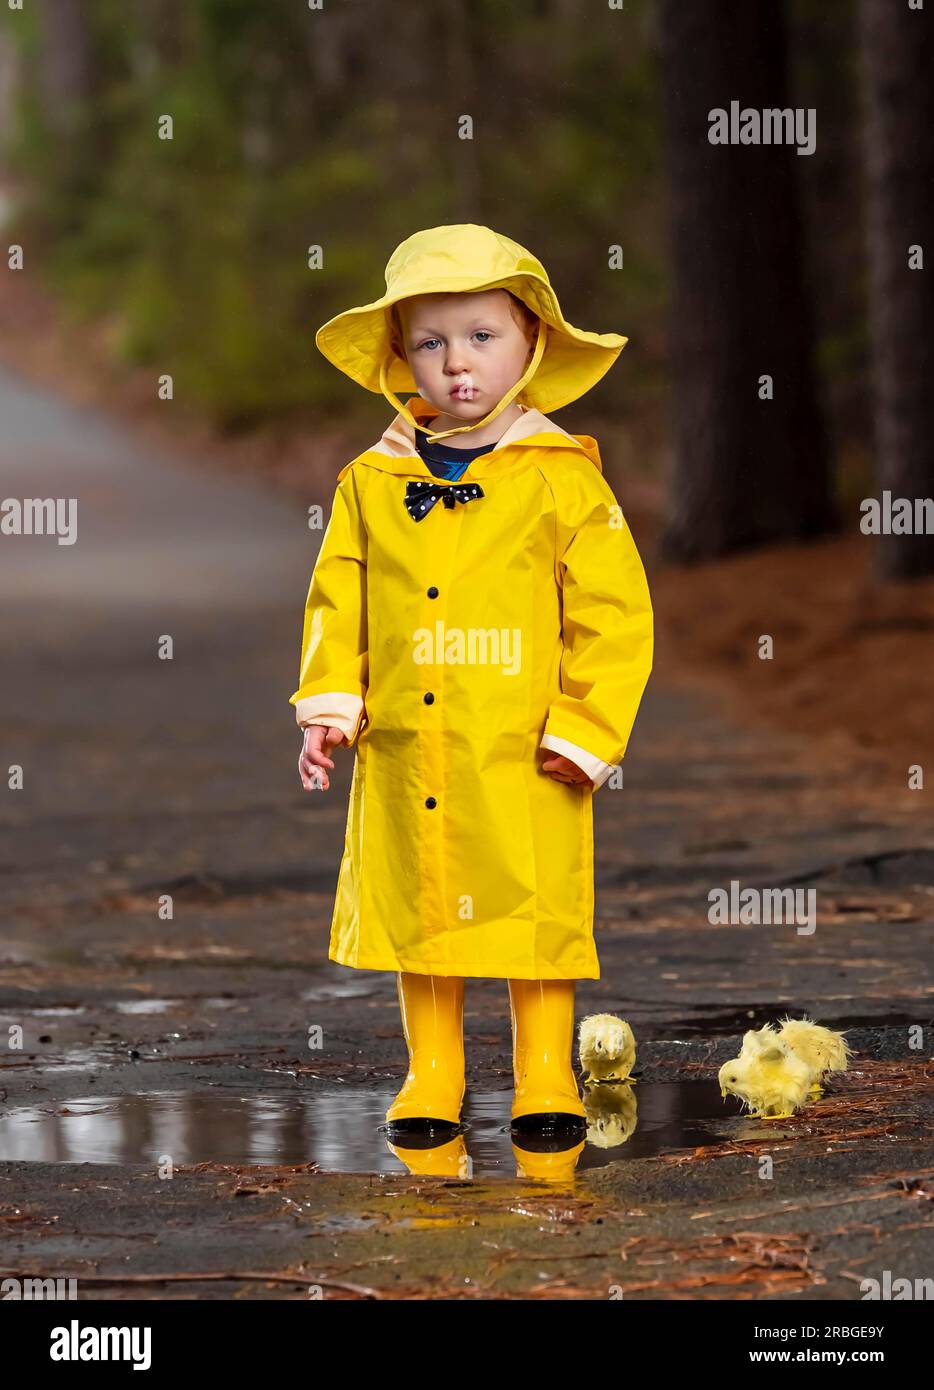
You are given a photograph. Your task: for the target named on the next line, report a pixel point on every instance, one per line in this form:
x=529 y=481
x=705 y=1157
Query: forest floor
x=193 y=1107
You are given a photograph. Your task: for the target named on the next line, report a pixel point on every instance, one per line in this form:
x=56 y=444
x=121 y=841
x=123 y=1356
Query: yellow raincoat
x=451 y=651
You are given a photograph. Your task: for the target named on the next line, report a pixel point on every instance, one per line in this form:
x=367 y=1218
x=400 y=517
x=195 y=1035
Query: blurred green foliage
x=295 y=128
x=338 y=127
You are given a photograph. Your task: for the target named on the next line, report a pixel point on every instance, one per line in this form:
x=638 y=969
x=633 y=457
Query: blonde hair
x=525 y=317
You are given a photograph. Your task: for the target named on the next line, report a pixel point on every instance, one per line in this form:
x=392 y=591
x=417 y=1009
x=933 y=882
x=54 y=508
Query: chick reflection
x=611 y=1113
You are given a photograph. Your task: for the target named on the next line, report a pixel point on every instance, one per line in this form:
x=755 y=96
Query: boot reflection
x=448 y=1159
x=549 y=1160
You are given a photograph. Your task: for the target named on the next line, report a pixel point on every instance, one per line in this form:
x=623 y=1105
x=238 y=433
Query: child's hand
x=313 y=760
x=563 y=770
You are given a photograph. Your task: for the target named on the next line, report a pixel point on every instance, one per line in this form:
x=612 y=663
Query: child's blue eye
x=480 y=333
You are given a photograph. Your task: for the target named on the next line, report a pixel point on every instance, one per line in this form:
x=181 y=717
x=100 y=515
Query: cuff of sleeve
x=344 y=711
x=596 y=769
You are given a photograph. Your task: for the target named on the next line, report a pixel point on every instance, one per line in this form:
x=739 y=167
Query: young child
x=479 y=626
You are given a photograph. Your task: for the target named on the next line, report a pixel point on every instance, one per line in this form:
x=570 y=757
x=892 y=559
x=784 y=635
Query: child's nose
x=457 y=361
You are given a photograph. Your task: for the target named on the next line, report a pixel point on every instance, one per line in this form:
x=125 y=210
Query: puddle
x=36 y=953
x=147 y=1006
x=61 y=1037
x=339 y=1128
x=708 y=1024
x=337 y=982
x=340 y=989
x=64 y=1011
x=58 y=1040
x=92 y=1057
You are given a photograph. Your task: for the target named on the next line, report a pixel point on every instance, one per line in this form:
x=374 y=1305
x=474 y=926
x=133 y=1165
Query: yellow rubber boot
x=542 y=1037
x=432 y=1008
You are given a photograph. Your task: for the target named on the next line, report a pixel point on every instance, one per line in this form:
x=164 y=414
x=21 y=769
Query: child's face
x=465 y=350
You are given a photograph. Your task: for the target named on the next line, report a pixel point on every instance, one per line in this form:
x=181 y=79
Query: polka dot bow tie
x=421 y=497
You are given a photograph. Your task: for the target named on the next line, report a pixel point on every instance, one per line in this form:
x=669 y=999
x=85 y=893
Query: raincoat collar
x=396 y=452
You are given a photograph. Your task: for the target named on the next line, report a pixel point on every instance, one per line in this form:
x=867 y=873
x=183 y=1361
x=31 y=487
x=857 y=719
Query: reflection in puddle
x=340 y=989
x=64 y=1011
x=85 y=1059
x=61 y=1040
x=94 y=1057
x=146 y=1006
x=340 y=1130
x=707 y=1023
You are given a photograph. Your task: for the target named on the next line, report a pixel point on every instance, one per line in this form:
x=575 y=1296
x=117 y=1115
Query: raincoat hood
x=461 y=259
x=396 y=452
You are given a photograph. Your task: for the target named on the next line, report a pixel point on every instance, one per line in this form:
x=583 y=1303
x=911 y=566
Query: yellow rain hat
x=461 y=259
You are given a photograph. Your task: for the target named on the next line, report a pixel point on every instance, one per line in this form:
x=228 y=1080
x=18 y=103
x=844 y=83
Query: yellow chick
x=823 y=1049
x=606 y=1048
x=768 y=1075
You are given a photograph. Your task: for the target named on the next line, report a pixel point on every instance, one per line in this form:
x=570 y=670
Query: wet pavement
x=192 y=1106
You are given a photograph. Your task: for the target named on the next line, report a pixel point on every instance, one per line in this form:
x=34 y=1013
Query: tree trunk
x=746 y=471
x=898 y=75
x=65 y=64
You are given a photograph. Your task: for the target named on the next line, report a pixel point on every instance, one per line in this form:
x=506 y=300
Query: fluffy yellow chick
x=823 y=1049
x=768 y=1075
x=606 y=1048
x=776 y=1070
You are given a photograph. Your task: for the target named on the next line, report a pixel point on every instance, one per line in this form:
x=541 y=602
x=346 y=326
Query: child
x=484 y=641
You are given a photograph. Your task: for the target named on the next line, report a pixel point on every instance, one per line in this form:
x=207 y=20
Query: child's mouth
x=464 y=390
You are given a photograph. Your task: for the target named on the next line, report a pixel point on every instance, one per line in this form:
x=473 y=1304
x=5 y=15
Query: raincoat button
x=432 y=592
x=429 y=698
x=430 y=803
